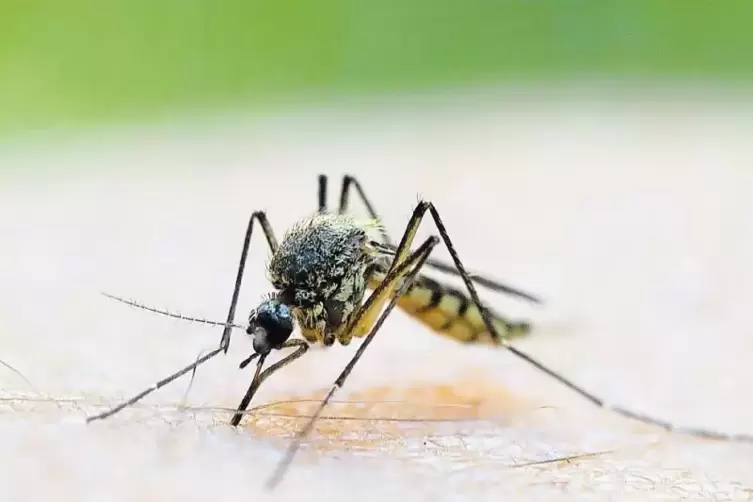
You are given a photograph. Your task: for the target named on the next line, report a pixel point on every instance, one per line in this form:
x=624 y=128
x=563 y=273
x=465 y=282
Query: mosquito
x=320 y=273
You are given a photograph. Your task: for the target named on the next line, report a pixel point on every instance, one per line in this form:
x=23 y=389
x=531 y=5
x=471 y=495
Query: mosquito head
x=271 y=324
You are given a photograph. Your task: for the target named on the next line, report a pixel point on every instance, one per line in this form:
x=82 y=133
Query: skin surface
x=631 y=221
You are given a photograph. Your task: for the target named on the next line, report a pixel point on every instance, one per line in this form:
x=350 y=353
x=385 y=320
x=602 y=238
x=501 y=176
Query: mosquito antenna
x=167 y=313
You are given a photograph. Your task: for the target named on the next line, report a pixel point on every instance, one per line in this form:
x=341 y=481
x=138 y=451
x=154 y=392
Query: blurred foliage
x=74 y=61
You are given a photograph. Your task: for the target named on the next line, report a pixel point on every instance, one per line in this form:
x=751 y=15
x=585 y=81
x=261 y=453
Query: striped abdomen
x=452 y=313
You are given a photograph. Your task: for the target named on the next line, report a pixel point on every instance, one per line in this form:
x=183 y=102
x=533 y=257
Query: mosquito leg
x=228 y=326
x=322 y=193
x=250 y=392
x=272 y=241
x=259 y=378
x=402 y=274
x=424 y=206
x=350 y=181
x=490 y=284
x=156 y=386
x=365 y=317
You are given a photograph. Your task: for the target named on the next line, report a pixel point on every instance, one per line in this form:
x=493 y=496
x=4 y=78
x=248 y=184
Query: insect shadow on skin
x=320 y=273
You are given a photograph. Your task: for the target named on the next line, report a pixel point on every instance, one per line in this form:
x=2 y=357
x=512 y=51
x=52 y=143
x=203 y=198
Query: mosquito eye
x=271 y=326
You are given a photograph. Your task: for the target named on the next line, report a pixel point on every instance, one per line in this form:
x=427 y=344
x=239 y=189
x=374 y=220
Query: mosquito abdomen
x=452 y=313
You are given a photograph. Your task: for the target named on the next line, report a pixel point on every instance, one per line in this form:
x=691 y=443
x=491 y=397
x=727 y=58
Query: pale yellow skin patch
x=352 y=423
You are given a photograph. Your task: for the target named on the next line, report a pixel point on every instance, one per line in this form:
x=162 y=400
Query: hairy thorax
x=321 y=270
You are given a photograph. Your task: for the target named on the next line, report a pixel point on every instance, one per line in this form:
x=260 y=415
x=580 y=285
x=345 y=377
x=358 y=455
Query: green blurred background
x=82 y=62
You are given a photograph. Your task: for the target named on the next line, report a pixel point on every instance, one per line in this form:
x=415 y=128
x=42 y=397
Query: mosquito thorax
x=271 y=324
x=320 y=270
